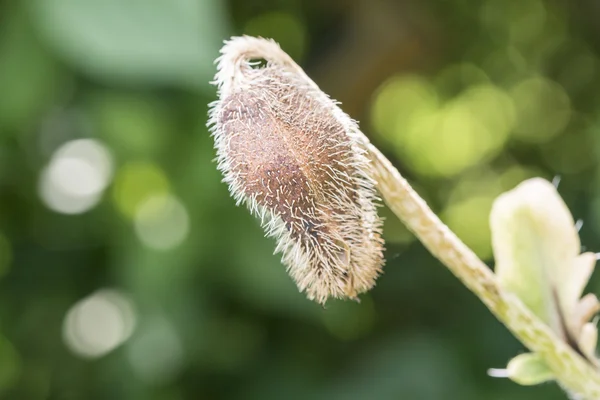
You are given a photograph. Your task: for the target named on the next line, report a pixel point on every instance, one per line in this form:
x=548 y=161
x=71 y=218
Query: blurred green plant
x=217 y=316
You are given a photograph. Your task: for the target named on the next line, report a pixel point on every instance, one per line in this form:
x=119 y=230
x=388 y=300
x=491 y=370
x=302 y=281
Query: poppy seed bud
x=293 y=157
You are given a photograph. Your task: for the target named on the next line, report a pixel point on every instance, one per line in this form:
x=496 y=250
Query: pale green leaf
x=136 y=41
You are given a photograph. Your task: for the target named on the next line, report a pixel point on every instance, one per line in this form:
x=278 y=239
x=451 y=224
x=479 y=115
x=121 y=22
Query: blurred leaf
x=137 y=41
x=10 y=364
x=28 y=77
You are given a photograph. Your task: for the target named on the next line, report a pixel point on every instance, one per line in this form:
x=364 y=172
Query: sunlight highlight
x=162 y=222
x=76 y=176
x=97 y=324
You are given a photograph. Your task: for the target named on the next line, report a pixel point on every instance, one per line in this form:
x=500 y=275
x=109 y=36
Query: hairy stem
x=577 y=376
x=573 y=373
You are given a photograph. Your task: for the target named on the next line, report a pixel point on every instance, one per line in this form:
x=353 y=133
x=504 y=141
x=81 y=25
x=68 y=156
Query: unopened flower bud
x=293 y=157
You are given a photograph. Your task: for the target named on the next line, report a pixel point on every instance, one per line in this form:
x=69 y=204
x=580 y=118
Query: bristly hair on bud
x=290 y=154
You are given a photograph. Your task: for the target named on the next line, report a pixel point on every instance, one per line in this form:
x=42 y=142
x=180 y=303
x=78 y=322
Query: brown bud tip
x=293 y=156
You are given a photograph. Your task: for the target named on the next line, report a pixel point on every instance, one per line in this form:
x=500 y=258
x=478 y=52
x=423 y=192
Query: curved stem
x=573 y=373
x=577 y=376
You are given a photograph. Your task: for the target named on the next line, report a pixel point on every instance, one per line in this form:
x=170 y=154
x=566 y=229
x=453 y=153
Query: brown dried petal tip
x=293 y=156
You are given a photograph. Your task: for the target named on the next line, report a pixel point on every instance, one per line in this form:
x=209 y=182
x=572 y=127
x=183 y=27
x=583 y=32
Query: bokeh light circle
x=162 y=222
x=99 y=323
x=76 y=176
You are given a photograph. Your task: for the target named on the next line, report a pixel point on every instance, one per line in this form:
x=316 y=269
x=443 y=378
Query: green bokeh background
x=467 y=98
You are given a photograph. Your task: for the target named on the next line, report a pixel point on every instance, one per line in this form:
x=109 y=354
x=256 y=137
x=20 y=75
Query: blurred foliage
x=126 y=271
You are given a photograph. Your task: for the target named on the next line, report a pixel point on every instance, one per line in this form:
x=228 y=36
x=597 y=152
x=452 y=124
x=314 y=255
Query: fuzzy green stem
x=577 y=376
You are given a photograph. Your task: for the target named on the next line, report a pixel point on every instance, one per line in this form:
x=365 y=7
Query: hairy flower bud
x=293 y=157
